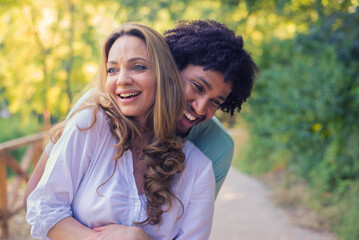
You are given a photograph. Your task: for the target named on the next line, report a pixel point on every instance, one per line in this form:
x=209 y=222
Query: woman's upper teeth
x=189 y=116
x=126 y=95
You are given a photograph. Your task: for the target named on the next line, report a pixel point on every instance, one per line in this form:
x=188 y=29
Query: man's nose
x=200 y=107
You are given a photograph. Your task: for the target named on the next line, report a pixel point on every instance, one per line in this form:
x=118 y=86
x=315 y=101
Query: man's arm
x=35 y=177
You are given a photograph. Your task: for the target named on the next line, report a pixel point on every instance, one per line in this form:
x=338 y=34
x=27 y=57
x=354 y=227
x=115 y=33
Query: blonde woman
x=118 y=160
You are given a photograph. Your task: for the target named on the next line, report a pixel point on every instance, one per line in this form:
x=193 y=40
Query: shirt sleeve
x=216 y=143
x=50 y=202
x=221 y=167
x=197 y=220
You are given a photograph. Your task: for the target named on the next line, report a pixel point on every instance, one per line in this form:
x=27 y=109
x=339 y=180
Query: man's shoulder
x=211 y=132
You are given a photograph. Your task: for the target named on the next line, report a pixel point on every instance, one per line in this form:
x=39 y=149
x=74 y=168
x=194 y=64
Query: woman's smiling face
x=130 y=78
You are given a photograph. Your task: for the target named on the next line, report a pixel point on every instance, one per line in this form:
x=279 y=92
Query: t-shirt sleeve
x=216 y=143
x=50 y=201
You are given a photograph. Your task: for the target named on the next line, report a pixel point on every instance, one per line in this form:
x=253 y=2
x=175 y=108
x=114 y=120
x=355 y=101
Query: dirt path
x=244 y=210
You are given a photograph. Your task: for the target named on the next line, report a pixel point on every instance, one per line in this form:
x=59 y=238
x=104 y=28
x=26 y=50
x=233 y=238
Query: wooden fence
x=9 y=200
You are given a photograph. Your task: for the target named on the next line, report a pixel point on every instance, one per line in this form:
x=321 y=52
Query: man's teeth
x=127 y=95
x=189 y=116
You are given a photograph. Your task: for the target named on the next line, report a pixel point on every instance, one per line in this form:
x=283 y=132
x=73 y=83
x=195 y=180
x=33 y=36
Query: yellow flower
x=316 y=127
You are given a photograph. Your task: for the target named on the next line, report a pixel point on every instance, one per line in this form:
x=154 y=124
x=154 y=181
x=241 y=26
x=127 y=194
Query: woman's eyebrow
x=137 y=58
x=112 y=62
x=130 y=60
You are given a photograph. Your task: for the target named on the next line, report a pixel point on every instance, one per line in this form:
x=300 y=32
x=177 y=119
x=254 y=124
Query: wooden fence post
x=9 y=205
x=3 y=198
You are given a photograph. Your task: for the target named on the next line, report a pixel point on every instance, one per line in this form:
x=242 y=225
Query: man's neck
x=184 y=134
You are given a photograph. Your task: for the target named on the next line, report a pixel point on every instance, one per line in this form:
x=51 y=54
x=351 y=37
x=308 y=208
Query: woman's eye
x=111 y=70
x=138 y=67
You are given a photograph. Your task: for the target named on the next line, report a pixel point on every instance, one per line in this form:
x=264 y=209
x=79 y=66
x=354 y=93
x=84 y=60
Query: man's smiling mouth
x=190 y=116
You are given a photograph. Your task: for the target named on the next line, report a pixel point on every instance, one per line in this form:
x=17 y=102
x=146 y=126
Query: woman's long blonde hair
x=163 y=154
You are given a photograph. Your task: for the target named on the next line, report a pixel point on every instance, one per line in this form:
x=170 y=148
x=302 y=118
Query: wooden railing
x=9 y=200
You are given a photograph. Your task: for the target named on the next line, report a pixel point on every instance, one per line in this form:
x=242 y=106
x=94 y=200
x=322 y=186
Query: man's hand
x=120 y=232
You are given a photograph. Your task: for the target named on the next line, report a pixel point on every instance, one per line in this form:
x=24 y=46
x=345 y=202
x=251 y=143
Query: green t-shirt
x=216 y=143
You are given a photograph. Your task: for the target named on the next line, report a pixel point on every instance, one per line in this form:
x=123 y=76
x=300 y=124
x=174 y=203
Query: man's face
x=205 y=92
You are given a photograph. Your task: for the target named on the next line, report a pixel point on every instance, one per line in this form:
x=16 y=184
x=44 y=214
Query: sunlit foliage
x=302 y=115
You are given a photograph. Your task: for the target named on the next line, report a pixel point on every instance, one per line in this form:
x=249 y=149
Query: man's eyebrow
x=209 y=86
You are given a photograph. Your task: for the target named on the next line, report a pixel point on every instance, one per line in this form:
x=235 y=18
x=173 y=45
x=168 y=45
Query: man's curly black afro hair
x=212 y=45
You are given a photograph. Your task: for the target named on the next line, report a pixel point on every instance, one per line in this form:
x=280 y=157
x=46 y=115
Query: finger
x=104 y=227
x=99 y=229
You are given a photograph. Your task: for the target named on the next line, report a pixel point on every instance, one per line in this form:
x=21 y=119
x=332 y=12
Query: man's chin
x=182 y=133
x=183 y=128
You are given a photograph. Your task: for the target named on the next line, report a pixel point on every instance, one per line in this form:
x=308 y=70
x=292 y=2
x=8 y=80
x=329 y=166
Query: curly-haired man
x=217 y=73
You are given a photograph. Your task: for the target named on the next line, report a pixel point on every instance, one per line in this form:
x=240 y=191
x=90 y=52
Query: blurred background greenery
x=301 y=118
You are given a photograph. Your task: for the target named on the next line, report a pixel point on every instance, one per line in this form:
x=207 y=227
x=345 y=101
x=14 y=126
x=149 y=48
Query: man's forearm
x=35 y=177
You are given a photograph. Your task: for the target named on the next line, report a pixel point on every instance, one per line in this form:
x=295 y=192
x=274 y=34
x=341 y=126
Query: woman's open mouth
x=129 y=95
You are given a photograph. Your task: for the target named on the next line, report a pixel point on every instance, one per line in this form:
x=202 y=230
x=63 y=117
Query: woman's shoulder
x=85 y=117
x=194 y=155
x=198 y=168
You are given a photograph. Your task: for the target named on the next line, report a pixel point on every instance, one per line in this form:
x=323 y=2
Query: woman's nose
x=123 y=78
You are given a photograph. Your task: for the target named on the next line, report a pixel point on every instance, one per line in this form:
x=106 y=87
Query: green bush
x=290 y=107
x=304 y=109
x=349 y=217
x=12 y=128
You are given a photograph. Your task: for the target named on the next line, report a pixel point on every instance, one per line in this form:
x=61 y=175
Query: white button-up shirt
x=82 y=160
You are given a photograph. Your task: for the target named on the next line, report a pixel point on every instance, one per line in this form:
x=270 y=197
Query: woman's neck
x=139 y=166
x=141 y=140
